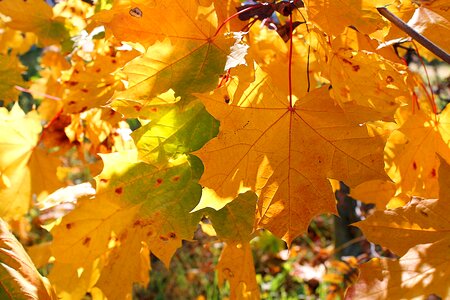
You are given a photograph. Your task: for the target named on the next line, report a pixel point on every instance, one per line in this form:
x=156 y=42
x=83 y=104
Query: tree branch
x=414 y=34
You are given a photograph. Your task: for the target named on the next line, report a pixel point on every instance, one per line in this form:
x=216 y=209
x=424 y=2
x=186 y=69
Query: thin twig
x=414 y=34
x=22 y=89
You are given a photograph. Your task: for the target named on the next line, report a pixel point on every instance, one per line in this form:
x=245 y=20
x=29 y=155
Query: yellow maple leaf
x=138 y=208
x=18 y=41
x=334 y=16
x=410 y=152
x=236 y=266
x=91 y=84
x=366 y=78
x=146 y=22
x=18 y=136
x=35 y=16
x=378 y=192
x=182 y=50
x=10 y=77
x=43 y=171
x=419 y=232
x=284 y=154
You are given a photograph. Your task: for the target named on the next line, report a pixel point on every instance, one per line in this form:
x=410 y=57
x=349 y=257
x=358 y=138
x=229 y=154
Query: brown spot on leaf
x=72 y=83
x=150 y=233
x=69 y=226
x=347 y=61
x=136 y=12
x=153 y=109
x=176 y=178
x=114 y=61
x=86 y=241
x=124 y=235
x=84 y=108
x=389 y=79
x=159 y=181
x=228 y=272
x=119 y=190
x=356 y=68
x=76 y=71
x=423 y=213
x=84 y=90
x=163 y=238
x=71 y=102
x=433 y=172
x=103 y=180
x=172 y=235
x=414 y=165
x=226 y=98
x=137 y=108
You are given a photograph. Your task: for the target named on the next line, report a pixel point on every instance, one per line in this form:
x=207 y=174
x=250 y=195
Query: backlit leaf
x=35 y=16
x=420 y=232
x=285 y=155
x=20 y=280
x=137 y=206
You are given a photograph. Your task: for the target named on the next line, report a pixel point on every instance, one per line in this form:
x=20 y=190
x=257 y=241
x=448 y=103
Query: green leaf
x=234 y=222
x=177 y=131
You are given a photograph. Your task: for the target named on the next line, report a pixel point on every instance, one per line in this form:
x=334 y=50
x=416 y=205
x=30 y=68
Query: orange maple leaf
x=285 y=154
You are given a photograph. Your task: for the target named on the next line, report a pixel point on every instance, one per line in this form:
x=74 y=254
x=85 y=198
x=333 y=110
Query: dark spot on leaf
x=114 y=61
x=175 y=178
x=150 y=233
x=103 y=180
x=112 y=112
x=69 y=225
x=119 y=190
x=414 y=165
x=423 y=213
x=84 y=108
x=73 y=10
x=76 y=71
x=86 y=241
x=433 y=172
x=172 y=235
x=71 y=102
x=124 y=235
x=153 y=109
x=136 y=12
x=84 y=90
x=72 y=83
x=159 y=181
x=228 y=272
x=226 y=99
x=356 y=68
x=137 y=107
x=98 y=70
x=137 y=223
x=347 y=61
x=389 y=79
x=392 y=103
x=163 y=238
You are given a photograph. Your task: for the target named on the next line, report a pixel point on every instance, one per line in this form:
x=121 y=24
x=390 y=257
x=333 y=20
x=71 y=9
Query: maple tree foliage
x=245 y=117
